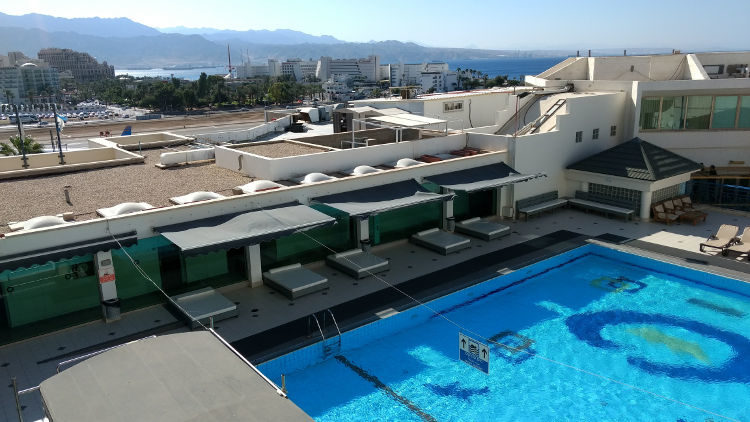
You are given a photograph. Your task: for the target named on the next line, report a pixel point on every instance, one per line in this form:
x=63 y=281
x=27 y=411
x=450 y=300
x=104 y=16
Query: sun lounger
x=670 y=208
x=742 y=244
x=357 y=263
x=205 y=304
x=662 y=216
x=440 y=241
x=294 y=280
x=687 y=203
x=482 y=229
x=723 y=238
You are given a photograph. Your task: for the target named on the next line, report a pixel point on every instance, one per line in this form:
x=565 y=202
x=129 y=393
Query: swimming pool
x=574 y=323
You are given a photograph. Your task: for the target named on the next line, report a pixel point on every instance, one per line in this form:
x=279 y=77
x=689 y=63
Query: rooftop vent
x=407 y=162
x=124 y=208
x=316 y=177
x=43 y=221
x=195 y=197
x=360 y=170
x=256 y=186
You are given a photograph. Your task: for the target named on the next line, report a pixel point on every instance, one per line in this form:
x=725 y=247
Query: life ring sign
x=588 y=328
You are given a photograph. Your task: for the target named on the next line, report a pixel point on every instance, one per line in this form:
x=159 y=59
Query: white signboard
x=474 y=353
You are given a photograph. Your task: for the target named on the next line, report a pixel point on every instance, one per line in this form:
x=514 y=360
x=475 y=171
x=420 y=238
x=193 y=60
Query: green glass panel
x=744 y=120
x=403 y=222
x=130 y=282
x=311 y=245
x=201 y=267
x=650 y=112
x=49 y=291
x=698 y=113
x=672 y=113
x=725 y=111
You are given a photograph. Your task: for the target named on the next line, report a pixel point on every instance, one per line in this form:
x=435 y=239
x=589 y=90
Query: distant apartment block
x=299 y=69
x=26 y=80
x=248 y=70
x=367 y=69
x=435 y=77
x=82 y=66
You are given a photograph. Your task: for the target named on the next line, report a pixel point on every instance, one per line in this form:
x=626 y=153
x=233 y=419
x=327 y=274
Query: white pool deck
x=34 y=360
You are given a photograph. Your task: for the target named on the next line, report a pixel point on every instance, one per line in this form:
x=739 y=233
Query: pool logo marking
x=675 y=344
x=617 y=285
x=474 y=353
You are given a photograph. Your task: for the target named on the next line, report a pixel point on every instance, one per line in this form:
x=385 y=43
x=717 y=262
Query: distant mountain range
x=127 y=44
x=263 y=36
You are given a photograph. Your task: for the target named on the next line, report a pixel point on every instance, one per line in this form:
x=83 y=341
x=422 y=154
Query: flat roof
x=281 y=149
x=179 y=377
x=106 y=187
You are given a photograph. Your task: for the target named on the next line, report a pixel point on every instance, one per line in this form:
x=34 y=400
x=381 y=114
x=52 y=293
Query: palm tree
x=14 y=148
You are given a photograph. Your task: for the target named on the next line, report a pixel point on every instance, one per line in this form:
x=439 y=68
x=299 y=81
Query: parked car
x=42 y=124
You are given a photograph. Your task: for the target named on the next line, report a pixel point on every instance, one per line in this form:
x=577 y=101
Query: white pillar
x=362 y=229
x=645 y=205
x=448 y=221
x=499 y=203
x=584 y=186
x=254 y=272
x=105 y=271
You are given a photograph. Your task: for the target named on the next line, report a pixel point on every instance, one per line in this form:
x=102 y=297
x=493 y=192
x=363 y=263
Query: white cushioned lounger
x=295 y=280
x=357 y=263
x=482 y=229
x=440 y=241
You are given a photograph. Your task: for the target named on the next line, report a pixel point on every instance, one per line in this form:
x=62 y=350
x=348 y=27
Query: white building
x=430 y=77
x=27 y=80
x=248 y=70
x=298 y=68
x=368 y=68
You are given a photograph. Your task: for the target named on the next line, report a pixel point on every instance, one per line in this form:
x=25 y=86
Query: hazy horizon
x=573 y=25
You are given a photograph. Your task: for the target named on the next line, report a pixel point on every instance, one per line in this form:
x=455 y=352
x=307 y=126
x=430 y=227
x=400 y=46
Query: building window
x=612 y=130
x=451 y=106
x=695 y=112
x=665 y=193
x=725 y=112
x=595 y=135
x=698 y=115
x=579 y=136
x=613 y=192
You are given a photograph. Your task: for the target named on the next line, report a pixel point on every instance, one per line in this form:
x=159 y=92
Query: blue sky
x=537 y=24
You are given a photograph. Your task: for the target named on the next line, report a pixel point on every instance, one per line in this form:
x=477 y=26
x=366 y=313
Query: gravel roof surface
x=100 y=188
x=281 y=149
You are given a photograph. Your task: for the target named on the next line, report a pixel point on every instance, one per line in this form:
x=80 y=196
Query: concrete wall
x=143 y=222
x=49 y=163
x=380 y=136
x=332 y=161
x=146 y=139
x=172 y=158
x=552 y=152
x=478 y=110
x=705 y=146
x=246 y=134
x=488 y=142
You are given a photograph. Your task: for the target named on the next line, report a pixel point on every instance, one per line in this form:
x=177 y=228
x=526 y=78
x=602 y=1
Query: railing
x=720 y=191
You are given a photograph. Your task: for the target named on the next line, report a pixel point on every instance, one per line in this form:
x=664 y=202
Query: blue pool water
x=675 y=332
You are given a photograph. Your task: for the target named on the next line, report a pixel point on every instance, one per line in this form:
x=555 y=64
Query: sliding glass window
x=744 y=118
x=698 y=114
x=725 y=112
x=650 y=112
x=672 y=113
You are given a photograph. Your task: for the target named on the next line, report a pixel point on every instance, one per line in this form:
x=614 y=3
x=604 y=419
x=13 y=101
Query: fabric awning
x=42 y=256
x=365 y=202
x=242 y=229
x=481 y=178
x=407 y=120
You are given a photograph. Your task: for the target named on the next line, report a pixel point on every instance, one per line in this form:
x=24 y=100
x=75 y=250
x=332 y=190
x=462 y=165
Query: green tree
x=202 y=85
x=15 y=147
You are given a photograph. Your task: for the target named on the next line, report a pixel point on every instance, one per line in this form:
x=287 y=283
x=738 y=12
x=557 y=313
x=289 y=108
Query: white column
x=448 y=222
x=362 y=229
x=499 y=202
x=254 y=272
x=645 y=205
x=105 y=271
x=584 y=186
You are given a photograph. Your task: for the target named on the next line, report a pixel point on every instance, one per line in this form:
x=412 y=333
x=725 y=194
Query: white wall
x=552 y=152
x=246 y=134
x=707 y=147
x=332 y=161
x=478 y=110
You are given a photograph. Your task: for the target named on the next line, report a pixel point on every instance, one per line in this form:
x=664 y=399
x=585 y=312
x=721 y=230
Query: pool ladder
x=328 y=348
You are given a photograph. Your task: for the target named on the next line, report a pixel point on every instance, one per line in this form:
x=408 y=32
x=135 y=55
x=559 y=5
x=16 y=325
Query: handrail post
x=18 y=402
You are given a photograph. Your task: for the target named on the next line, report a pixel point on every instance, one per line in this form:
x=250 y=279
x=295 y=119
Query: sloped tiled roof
x=637 y=159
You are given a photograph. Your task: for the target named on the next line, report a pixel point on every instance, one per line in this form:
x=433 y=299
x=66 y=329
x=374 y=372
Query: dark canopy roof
x=70 y=250
x=480 y=178
x=242 y=229
x=365 y=202
x=637 y=159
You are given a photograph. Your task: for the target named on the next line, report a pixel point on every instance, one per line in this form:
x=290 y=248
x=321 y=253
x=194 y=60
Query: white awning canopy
x=407 y=120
